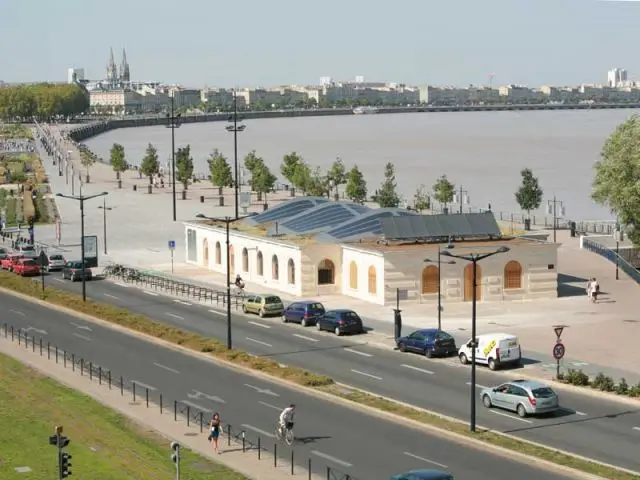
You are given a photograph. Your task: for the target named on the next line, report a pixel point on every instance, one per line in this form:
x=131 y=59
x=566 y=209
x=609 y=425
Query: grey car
x=56 y=263
x=525 y=397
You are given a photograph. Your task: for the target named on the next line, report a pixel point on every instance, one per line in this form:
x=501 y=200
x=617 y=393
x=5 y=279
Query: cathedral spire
x=125 y=75
x=112 y=72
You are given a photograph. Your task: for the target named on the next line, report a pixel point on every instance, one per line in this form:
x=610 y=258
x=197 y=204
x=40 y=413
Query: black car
x=73 y=271
x=305 y=313
x=340 y=322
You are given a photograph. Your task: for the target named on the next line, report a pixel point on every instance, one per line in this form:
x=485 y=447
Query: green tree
x=356 y=189
x=289 y=163
x=262 y=180
x=220 y=170
x=443 y=191
x=43 y=101
x=529 y=195
x=421 y=199
x=184 y=167
x=337 y=175
x=616 y=184
x=387 y=196
x=87 y=159
x=150 y=165
x=117 y=159
x=318 y=184
x=302 y=177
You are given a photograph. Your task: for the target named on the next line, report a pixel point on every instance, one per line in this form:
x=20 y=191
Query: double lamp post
x=235 y=126
x=173 y=122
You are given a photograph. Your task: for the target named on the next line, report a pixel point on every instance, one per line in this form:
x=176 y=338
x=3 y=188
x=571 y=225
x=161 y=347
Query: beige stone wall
x=312 y=256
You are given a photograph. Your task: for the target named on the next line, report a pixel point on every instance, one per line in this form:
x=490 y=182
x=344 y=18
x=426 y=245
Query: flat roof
x=413 y=246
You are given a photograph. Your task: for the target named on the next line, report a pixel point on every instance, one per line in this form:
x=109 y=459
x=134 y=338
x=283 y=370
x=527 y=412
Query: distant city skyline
x=458 y=42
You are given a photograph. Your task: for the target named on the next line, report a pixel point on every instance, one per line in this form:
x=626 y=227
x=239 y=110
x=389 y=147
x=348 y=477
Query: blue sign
x=172 y=244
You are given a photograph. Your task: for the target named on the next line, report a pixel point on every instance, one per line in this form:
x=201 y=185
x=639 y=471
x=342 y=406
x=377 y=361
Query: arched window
x=205 y=252
x=291 y=272
x=373 y=284
x=353 y=276
x=260 y=264
x=512 y=275
x=275 y=271
x=232 y=260
x=430 y=279
x=218 y=254
x=326 y=272
x=245 y=260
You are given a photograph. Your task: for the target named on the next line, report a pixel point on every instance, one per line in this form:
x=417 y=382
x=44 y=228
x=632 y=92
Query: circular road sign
x=558 y=351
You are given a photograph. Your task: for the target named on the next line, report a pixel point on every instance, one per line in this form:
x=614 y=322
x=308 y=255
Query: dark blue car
x=340 y=322
x=423 y=475
x=430 y=342
x=305 y=313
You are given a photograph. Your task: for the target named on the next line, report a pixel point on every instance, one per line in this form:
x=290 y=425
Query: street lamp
x=235 y=128
x=82 y=198
x=618 y=235
x=173 y=123
x=462 y=197
x=104 y=209
x=474 y=258
x=439 y=263
x=556 y=208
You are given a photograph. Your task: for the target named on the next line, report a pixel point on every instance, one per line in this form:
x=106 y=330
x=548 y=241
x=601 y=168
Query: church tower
x=112 y=71
x=125 y=74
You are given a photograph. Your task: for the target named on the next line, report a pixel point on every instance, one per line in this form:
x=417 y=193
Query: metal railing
x=612 y=256
x=280 y=453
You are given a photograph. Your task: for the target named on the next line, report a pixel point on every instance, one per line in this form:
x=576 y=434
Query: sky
x=252 y=43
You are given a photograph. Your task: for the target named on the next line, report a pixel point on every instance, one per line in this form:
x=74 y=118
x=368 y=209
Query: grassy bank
x=104 y=445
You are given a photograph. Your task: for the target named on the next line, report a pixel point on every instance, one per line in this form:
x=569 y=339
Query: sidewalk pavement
x=150 y=417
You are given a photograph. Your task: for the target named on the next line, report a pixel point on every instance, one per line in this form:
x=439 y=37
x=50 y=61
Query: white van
x=495 y=350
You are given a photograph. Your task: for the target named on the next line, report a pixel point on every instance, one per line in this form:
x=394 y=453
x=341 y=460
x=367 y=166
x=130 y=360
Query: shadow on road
x=566 y=412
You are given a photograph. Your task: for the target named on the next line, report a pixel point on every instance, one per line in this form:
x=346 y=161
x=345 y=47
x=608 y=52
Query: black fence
x=278 y=454
x=613 y=257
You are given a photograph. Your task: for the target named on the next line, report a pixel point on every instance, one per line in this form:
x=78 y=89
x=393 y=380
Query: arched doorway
x=512 y=275
x=468 y=282
x=291 y=272
x=326 y=272
x=260 y=264
x=373 y=280
x=245 y=260
x=218 y=254
x=353 y=275
x=232 y=261
x=275 y=268
x=205 y=252
x=430 y=276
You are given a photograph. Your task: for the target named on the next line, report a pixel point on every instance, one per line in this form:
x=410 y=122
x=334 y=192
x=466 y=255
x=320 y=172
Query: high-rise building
x=616 y=77
x=75 y=75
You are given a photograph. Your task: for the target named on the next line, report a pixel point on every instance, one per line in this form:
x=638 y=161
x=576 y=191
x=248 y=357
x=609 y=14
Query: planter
x=221 y=201
x=149 y=189
x=135 y=188
x=201 y=198
x=120 y=184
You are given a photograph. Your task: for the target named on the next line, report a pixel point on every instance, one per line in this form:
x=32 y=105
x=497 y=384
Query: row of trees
x=43 y=101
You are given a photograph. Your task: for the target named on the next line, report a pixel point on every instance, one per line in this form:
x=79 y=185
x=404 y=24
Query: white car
x=495 y=350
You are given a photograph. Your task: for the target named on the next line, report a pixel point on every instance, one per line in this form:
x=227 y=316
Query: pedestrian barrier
x=612 y=256
x=238 y=438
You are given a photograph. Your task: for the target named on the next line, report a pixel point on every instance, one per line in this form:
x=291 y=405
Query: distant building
x=118 y=77
x=616 y=77
x=75 y=75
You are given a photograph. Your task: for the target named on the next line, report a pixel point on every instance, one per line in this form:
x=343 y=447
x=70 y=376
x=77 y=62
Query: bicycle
x=285 y=433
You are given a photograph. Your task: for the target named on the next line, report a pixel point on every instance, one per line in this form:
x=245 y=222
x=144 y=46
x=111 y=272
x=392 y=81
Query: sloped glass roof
x=286 y=210
x=323 y=216
x=364 y=225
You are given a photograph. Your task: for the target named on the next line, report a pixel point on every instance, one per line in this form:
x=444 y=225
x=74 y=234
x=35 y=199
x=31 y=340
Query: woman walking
x=215 y=430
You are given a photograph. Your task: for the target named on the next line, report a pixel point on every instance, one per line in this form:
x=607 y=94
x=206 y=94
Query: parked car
x=430 y=342
x=4 y=253
x=9 y=262
x=423 y=475
x=26 y=267
x=25 y=247
x=305 y=313
x=56 y=263
x=494 y=349
x=340 y=322
x=525 y=397
x=263 y=305
x=73 y=271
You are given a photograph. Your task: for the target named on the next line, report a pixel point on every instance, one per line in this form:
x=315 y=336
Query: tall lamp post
x=461 y=197
x=82 y=198
x=439 y=264
x=618 y=235
x=474 y=258
x=104 y=209
x=555 y=207
x=173 y=122
x=235 y=127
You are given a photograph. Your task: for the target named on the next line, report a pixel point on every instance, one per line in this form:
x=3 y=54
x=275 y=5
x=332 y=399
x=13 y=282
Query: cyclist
x=239 y=283
x=286 y=418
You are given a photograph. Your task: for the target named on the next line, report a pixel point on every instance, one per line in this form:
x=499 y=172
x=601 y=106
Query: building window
x=218 y=254
x=430 y=279
x=326 y=272
x=353 y=276
x=192 y=253
x=245 y=260
x=291 y=272
x=373 y=284
x=205 y=252
x=232 y=260
x=275 y=273
x=512 y=275
x=260 y=263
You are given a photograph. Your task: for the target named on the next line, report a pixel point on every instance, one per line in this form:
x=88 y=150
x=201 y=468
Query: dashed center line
x=17 y=312
x=258 y=430
x=366 y=374
x=196 y=406
x=123 y=285
x=153 y=294
x=168 y=369
x=417 y=369
x=259 y=342
x=331 y=459
x=636 y=429
x=477 y=385
x=269 y=405
x=304 y=337
x=182 y=302
x=259 y=324
x=175 y=316
x=111 y=296
x=426 y=460
x=82 y=337
x=217 y=312
x=364 y=354
x=143 y=385
x=60 y=280
x=511 y=416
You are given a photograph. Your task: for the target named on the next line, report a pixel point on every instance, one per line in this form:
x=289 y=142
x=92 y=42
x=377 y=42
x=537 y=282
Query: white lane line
x=636 y=428
x=511 y=416
x=366 y=374
x=477 y=385
x=182 y=302
x=417 y=369
x=59 y=280
x=196 y=406
x=331 y=459
x=357 y=352
x=218 y=313
x=304 y=337
x=259 y=342
x=168 y=369
x=175 y=316
x=153 y=294
x=81 y=327
x=259 y=324
x=426 y=460
x=143 y=385
x=582 y=414
x=111 y=296
x=17 y=312
x=123 y=285
x=82 y=337
x=258 y=430
x=265 y=391
x=270 y=406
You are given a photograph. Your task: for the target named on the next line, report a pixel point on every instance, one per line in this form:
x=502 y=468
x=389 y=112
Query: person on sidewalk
x=215 y=430
x=589 y=289
x=595 y=290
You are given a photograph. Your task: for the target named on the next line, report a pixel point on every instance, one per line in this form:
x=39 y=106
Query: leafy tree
x=252 y=161
x=318 y=184
x=117 y=159
x=337 y=174
x=184 y=166
x=262 y=180
x=356 y=189
x=421 y=199
x=529 y=195
x=87 y=159
x=387 y=197
x=43 y=101
x=150 y=165
x=221 y=175
x=443 y=191
x=289 y=163
x=617 y=176
x=302 y=177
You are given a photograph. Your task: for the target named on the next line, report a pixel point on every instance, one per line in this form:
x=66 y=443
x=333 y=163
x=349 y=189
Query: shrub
x=635 y=390
x=577 y=377
x=603 y=383
x=623 y=387
x=10 y=210
x=28 y=208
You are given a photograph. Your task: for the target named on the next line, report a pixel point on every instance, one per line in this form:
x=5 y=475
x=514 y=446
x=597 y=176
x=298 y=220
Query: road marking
x=82 y=337
x=111 y=296
x=143 y=385
x=198 y=394
x=259 y=342
x=259 y=324
x=331 y=459
x=196 y=406
x=153 y=294
x=477 y=385
x=81 y=327
x=357 y=352
x=366 y=374
x=175 y=316
x=417 y=369
x=59 y=280
x=168 y=369
x=37 y=330
x=258 y=430
x=304 y=337
x=123 y=285
x=266 y=391
x=270 y=406
x=511 y=416
x=636 y=428
x=218 y=313
x=582 y=414
x=182 y=302
x=17 y=312
x=409 y=454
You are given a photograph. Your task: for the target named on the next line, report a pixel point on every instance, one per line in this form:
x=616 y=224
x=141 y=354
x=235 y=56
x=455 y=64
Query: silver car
x=56 y=262
x=525 y=397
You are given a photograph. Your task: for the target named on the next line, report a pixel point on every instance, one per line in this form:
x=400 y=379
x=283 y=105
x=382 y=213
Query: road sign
x=558 y=329
x=558 y=351
x=43 y=260
x=172 y=244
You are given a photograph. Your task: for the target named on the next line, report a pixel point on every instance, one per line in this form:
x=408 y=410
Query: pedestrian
x=595 y=290
x=589 y=288
x=215 y=430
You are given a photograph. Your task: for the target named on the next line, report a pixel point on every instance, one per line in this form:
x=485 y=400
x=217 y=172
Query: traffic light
x=65 y=465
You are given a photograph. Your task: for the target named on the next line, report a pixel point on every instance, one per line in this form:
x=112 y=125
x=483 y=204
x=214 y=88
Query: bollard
x=201 y=422
x=275 y=455
x=109 y=379
x=90 y=370
x=82 y=366
x=19 y=336
x=175 y=410
x=309 y=468
x=5 y=330
x=229 y=435
x=73 y=362
x=292 y=459
x=328 y=473
x=64 y=360
x=40 y=346
x=48 y=351
x=146 y=395
x=160 y=403
x=244 y=445
x=188 y=414
x=121 y=386
x=26 y=340
x=33 y=344
x=12 y=333
x=56 y=354
x=133 y=384
x=259 y=449
x=99 y=375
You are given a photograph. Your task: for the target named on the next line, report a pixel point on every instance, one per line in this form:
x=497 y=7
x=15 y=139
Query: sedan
x=26 y=266
x=430 y=342
x=263 y=305
x=56 y=262
x=10 y=261
x=340 y=322
x=305 y=313
x=525 y=397
x=74 y=270
x=423 y=475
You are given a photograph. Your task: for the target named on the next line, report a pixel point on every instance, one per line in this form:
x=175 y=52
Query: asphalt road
x=596 y=428
x=356 y=443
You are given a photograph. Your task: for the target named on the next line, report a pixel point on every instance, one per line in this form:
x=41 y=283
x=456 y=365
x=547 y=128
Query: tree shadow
x=571 y=286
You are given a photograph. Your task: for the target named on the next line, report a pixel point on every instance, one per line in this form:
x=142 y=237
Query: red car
x=26 y=266
x=9 y=262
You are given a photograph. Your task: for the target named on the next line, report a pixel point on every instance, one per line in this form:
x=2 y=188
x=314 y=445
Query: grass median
x=215 y=348
x=104 y=444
